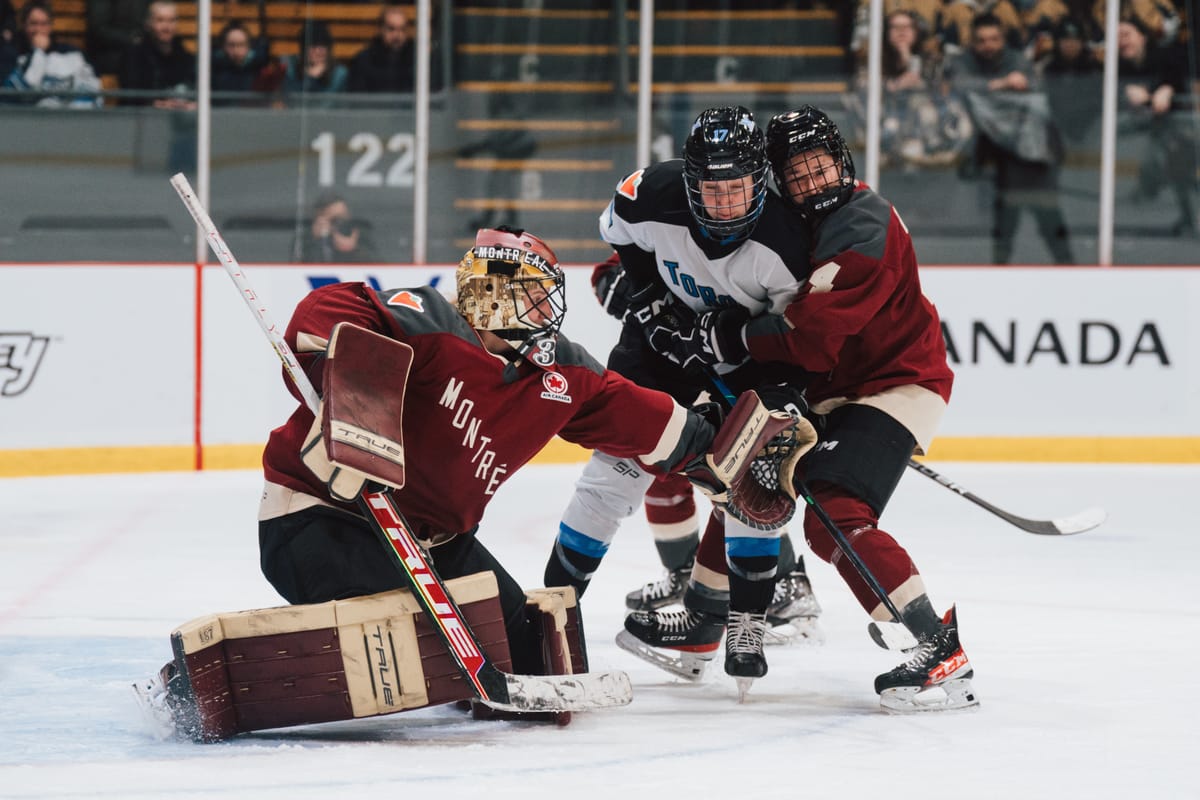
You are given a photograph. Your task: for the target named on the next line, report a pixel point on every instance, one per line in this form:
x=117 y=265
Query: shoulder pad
x=651 y=192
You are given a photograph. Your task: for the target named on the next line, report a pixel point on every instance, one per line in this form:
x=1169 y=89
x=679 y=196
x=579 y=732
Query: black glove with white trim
x=714 y=338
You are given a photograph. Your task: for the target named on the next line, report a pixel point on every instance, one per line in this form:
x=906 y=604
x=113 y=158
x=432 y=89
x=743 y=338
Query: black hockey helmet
x=810 y=131
x=725 y=144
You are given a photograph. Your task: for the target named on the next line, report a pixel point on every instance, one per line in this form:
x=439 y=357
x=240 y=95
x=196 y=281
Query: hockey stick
x=493 y=687
x=1063 y=526
x=843 y=543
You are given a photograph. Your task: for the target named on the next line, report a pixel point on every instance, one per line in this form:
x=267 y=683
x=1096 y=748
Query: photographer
x=333 y=235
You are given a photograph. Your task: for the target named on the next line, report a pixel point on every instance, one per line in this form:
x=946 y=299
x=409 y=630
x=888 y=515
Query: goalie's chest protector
x=467 y=426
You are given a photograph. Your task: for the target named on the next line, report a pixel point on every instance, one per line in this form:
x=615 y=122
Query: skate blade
x=953 y=695
x=689 y=666
x=158 y=717
x=743 y=686
x=803 y=630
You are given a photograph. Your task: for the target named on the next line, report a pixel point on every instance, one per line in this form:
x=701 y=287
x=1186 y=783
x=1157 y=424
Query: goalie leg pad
x=304 y=664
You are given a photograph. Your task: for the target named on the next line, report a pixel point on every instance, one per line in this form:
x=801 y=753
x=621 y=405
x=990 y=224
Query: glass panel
x=1157 y=139
x=987 y=160
x=538 y=128
x=767 y=56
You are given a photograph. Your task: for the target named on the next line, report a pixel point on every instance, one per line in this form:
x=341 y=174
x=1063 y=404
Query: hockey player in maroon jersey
x=878 y=379
x=491 y=382
x=694 y=235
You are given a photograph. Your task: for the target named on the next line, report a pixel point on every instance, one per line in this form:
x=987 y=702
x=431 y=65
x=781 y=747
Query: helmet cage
x=809 y=131
x=725 y=144
x=510 y=283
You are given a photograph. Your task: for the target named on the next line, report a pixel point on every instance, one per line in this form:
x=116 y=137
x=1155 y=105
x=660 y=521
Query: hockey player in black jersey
x=698 y=235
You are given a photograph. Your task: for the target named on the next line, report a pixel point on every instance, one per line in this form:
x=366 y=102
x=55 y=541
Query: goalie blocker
x=346 y=659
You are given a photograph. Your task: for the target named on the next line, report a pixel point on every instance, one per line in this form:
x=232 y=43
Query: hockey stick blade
x=891 y=636
x=1063 y=526
x=586 y=691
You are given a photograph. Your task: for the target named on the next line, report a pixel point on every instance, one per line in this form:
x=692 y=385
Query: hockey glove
x=715 y=338
x=784 y=397
x=764 y=496
x=612 y=289
x=344 y=484
x=746 y=430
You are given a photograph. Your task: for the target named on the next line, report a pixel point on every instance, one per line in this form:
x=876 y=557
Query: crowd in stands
x=136 y=47
x=1005 y=89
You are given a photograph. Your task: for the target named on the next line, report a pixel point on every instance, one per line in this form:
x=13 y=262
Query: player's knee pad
x=304 y=664
x=849 y=513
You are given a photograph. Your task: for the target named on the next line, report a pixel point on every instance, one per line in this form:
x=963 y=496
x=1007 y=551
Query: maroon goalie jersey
x=470 y=420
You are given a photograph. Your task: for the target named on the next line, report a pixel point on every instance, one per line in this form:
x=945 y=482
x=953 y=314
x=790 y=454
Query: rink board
x=144 y=367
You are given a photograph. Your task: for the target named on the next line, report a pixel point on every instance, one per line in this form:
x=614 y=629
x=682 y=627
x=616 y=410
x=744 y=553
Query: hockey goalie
x=440 y=401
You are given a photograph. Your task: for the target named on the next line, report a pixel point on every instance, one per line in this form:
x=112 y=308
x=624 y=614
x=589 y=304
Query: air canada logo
x=20 y=356
x=556 y=387
x=408 y=300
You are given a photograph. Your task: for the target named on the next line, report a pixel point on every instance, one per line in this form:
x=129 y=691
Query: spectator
x=113 y=26
x=44 y=65
x=333 y=237
x=388 y=62
x=1151 y=78
x=1158 y=18
x=8 y=45
x=1071 y=74
x=238 y=62
x=314 y=71
x=1014 y=134
x=8 y=21
x=160 y=61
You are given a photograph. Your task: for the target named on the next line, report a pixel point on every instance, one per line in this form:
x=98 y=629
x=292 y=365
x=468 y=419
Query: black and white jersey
x=762 y=274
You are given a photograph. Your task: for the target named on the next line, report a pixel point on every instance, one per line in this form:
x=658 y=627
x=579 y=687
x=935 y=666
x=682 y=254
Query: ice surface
x=1085 y=650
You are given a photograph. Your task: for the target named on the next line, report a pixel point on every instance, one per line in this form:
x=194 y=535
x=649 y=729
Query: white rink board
x=118 y=362
x=119 y=356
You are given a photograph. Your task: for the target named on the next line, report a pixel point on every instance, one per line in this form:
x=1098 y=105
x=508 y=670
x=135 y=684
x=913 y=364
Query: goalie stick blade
x=586 y=691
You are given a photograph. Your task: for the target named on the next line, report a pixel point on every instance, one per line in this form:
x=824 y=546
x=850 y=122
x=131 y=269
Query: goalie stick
x=1063 y=526
x=500 y=690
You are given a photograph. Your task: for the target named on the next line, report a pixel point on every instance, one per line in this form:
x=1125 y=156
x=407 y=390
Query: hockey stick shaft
x=835 y=532
x=378 y=506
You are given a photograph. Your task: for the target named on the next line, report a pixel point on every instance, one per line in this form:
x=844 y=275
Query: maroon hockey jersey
x=859 y=323
x=468 y=422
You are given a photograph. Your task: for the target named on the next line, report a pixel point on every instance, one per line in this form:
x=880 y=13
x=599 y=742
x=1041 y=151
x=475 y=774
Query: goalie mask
x=810 y=160
x=725 y=173
x=510 y=283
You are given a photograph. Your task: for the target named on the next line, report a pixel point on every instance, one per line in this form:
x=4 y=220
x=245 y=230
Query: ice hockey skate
x=680 y=642
x=744 y=658
x=662 y=592
x=792 y=615
x=936 y=678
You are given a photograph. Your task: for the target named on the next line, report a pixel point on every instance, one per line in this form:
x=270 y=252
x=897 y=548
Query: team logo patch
x=408 y=300
x=629 y=186
x=556 y=387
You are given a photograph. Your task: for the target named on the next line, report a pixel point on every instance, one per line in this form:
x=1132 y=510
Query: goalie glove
x=751 y=466
x=343 y=483
x=764 y=496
